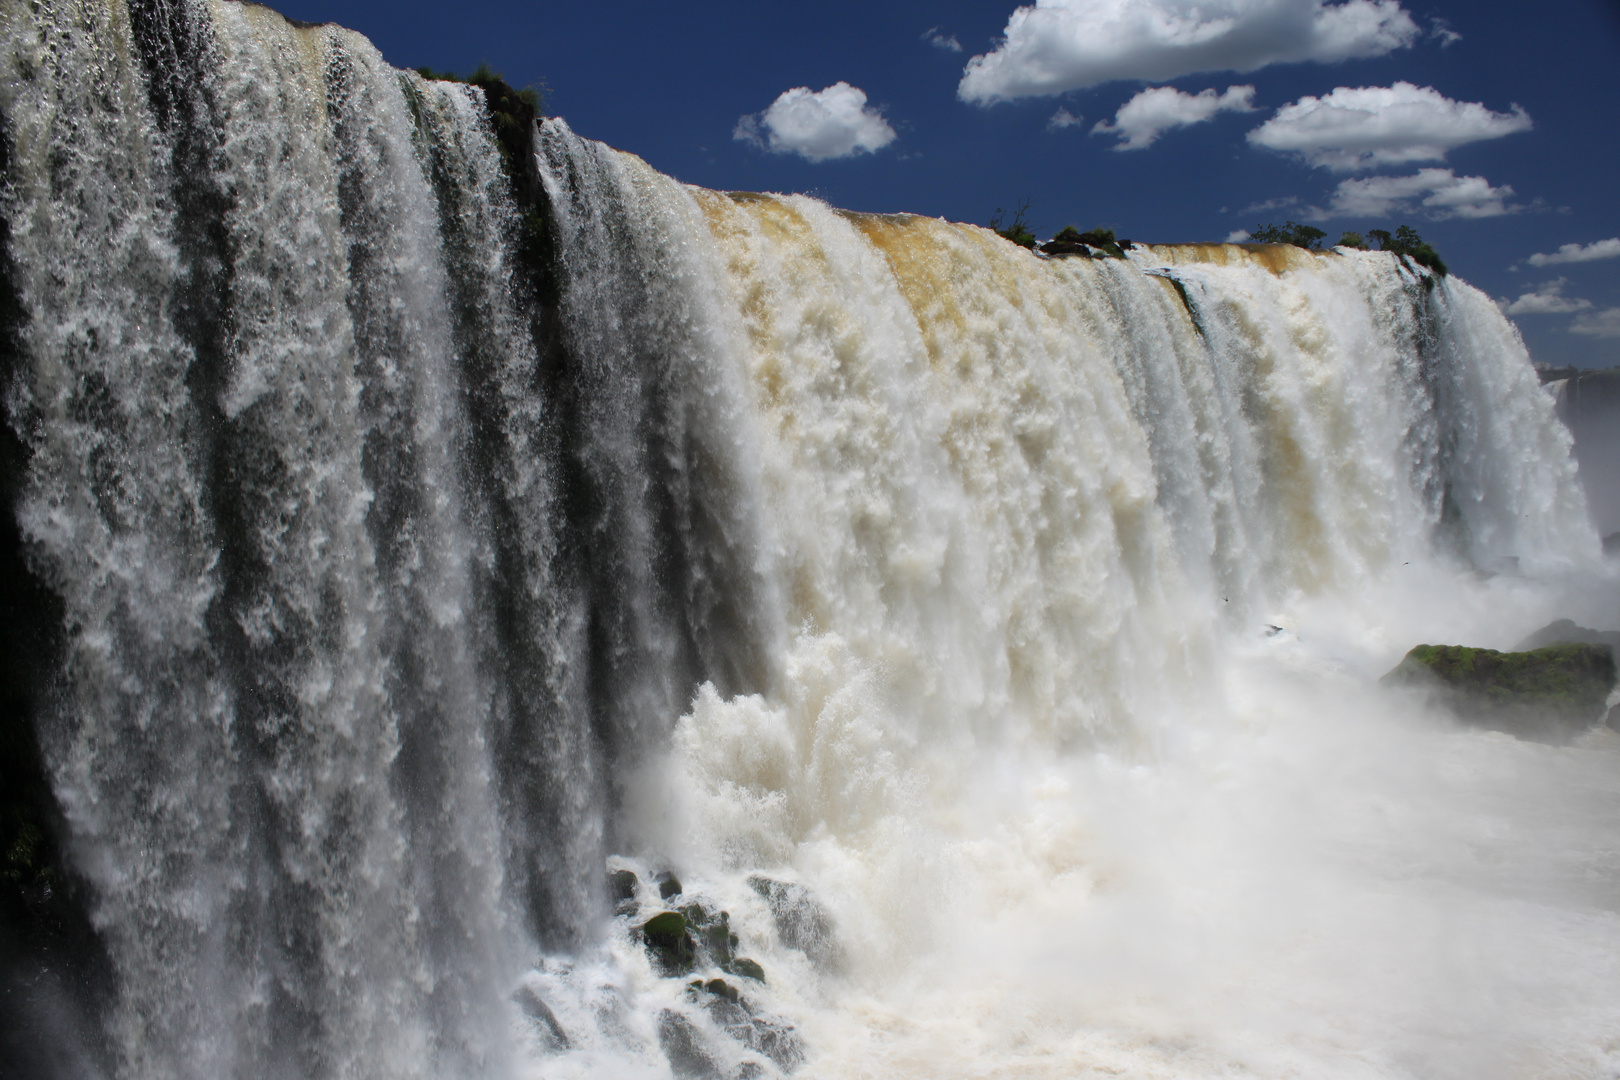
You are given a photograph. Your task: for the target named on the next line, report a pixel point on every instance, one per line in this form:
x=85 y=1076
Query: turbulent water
x=993 y=638
x=1589 y=405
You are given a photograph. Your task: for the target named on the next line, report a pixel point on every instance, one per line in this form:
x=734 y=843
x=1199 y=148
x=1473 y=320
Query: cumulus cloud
x=1576 y=253
x=1358 y=127
x=1605 y=323
x=1547 y=300
x=1237 y=236
x=818 y=126
x=1059 y=45
x=1141 y=120
x=1063 y=118
x=1434 y=193
x=944 y=42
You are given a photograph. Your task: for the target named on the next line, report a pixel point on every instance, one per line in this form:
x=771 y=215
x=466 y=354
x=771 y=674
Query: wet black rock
x=778 y=1041
x=747 y=968
x=1549 y=694
x=622 y=887
x=801 y=922
x=672 y=948
x=1065 y=247
x=695 y=935
x=541 y=1019
x=771 y=1036
x=683 y=1048
x=697 y=938
x=713 y=931
x=721 y=988
x=711 y=928
x=669 y=886
x=1096 y=244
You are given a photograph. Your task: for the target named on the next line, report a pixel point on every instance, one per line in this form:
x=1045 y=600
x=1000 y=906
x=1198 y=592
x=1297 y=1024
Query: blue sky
x=1492 y=127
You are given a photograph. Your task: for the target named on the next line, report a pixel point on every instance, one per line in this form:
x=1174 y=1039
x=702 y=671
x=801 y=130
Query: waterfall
x=424 y=528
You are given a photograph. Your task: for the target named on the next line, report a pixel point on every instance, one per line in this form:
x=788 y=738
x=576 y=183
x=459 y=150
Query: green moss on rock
x=722 y=989
x=748 y=969
x=664 y=927
x=672 y=948
x=1548 y=694
x=713 y=931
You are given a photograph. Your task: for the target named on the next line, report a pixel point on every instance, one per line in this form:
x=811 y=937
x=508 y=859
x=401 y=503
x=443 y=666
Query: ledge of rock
x=1549 y=694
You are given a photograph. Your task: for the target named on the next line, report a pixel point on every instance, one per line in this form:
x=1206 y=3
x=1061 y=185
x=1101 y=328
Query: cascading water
x=428 y=529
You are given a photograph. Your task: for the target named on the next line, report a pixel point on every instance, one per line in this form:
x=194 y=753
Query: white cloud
x=1434 y=193
x=945 y=42
x=1605 y=323
x=1574 y=253
x=1282 y=203
x=1141 y=120
x=1548 y=300
x=819 y=126
x=1358 y=127
x=1063 y=118
x=1060 y=45
x=1237 y=236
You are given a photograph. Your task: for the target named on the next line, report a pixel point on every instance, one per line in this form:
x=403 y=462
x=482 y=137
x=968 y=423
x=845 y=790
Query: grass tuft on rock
x=1546 y=695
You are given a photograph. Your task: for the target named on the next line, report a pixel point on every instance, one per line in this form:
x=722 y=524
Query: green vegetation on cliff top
x=1017 y=230
x=1404 y=242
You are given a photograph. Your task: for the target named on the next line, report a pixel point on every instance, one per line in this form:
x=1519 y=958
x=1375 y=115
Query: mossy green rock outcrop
x=678 y=941
x=671 y=946
x=1547 y=695
x=695 y=940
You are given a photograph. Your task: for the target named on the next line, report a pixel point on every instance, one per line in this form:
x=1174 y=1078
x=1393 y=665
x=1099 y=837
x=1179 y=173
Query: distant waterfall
x=414 y=562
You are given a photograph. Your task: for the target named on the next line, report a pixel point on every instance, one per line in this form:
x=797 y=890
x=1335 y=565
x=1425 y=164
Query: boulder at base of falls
x=801 y=922
x=669 y=886
x=1548 y=695
x=731 y=1011
x=622 y=888
x=542 y=1021
x=672 y=948
x=712 y=929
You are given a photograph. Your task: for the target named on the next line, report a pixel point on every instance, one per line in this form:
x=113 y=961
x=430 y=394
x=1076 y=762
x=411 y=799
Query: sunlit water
x=1022 y=616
